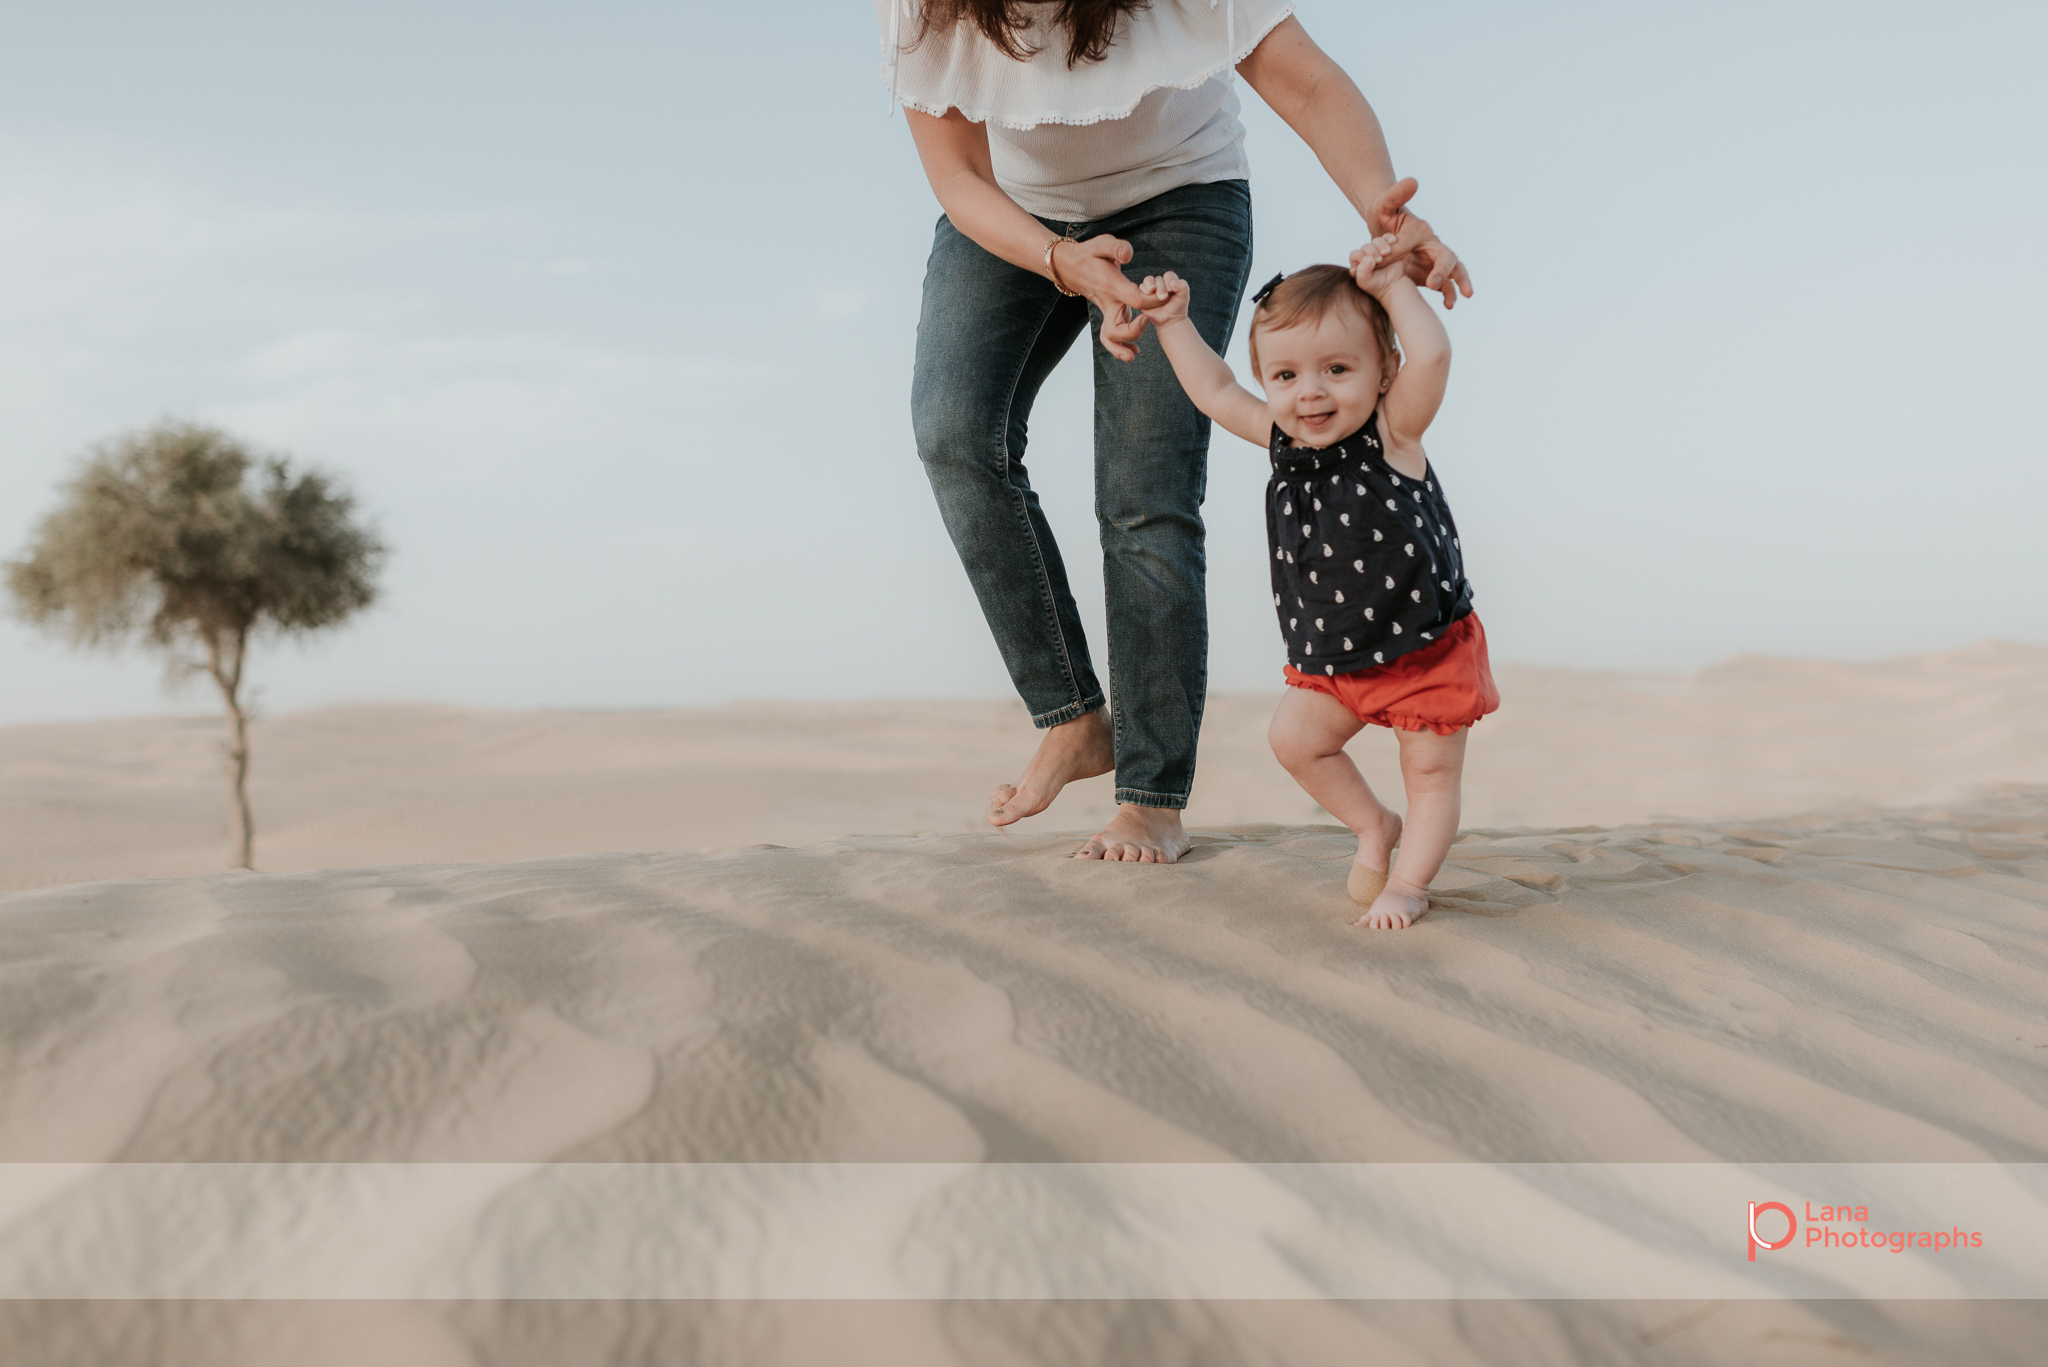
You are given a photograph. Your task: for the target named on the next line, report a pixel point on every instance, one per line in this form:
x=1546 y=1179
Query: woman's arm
x=954 y=150
x=1322 y=104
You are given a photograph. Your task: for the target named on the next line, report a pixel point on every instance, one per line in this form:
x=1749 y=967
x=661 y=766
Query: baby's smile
x=1322 y=377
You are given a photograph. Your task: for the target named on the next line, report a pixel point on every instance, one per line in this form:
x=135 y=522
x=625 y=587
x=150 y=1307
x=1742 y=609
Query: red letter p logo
x=1757 y=1240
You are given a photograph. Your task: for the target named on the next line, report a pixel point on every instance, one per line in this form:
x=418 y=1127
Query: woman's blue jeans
x=988 y=336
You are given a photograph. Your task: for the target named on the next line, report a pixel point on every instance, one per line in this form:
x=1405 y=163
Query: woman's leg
x=1151 y=470
x=987 y=337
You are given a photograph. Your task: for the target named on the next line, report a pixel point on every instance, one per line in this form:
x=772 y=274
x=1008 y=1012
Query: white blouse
x=1081 y=143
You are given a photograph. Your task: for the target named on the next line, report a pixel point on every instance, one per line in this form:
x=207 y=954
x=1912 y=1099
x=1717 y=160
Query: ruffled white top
x=1078 y=144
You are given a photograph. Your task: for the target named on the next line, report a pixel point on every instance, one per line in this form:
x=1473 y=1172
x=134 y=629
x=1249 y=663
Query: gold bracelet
x=1054 y=271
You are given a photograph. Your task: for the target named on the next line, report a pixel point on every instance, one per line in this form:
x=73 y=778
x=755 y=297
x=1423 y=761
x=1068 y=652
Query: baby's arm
x=1202 y=373
x=1418 y=391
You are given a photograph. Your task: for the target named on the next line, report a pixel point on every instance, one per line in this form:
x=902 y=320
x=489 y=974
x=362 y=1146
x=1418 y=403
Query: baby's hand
x=1173 y=294
x=1374 y=267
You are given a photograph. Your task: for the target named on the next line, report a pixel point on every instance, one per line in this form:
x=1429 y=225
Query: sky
x=604 y=311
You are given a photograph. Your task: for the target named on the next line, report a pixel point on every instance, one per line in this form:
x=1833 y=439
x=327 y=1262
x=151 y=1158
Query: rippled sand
x=1839 y=986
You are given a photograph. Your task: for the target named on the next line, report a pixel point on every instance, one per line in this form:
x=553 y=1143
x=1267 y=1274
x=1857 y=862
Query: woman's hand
x=1431 y=264
x=1093 y=269
x=955 y=154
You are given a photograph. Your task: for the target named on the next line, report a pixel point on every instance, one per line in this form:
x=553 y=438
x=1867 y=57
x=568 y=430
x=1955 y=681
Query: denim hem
x=1068 y=713
x=1138 y=797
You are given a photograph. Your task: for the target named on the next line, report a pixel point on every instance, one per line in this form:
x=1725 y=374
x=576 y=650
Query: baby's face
x=1322 y=376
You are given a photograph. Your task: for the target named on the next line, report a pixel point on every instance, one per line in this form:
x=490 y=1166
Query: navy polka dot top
x=1366 y=561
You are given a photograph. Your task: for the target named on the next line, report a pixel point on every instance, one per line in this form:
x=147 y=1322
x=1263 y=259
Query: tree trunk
x=224 y=663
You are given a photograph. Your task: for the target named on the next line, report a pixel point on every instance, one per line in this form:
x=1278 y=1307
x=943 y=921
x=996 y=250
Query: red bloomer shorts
x=1444 y=686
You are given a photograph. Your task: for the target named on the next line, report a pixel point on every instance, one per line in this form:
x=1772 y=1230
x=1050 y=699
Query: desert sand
x=355 y=786
x=1774 y=913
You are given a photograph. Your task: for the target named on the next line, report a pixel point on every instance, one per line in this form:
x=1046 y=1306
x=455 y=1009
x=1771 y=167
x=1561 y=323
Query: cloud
x=472 y=401
x=127 y=294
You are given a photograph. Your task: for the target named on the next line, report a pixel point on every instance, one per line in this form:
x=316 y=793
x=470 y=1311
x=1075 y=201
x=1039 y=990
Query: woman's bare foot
x=1139 y=835
x=1074 y=749
x=1369 y=866
x=1396 y=907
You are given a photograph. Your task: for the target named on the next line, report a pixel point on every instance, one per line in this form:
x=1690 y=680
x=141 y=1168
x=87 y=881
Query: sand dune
x=1842 y=988
x=1629 y=961
x=622 y=1008
x=405 y=784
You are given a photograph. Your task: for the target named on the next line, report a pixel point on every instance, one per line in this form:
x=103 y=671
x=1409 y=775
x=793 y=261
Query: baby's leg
x=1308 y=735
x=1431 y=767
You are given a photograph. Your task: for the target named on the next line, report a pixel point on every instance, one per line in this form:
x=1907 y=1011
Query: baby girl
x=1368 y=574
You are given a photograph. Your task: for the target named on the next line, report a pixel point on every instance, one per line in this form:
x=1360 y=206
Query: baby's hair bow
x=1267 y=288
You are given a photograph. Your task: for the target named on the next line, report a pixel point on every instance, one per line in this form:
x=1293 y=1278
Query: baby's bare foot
x=1074 y=749
x=1369 y=866
x=1364 y=885
x=1397 y=906
x=1139 y=835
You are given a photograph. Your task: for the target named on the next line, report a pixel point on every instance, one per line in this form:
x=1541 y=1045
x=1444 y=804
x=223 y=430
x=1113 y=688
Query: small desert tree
x=180 y=537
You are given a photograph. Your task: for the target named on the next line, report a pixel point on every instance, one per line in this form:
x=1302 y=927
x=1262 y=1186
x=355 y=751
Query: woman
x=1069 y=142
